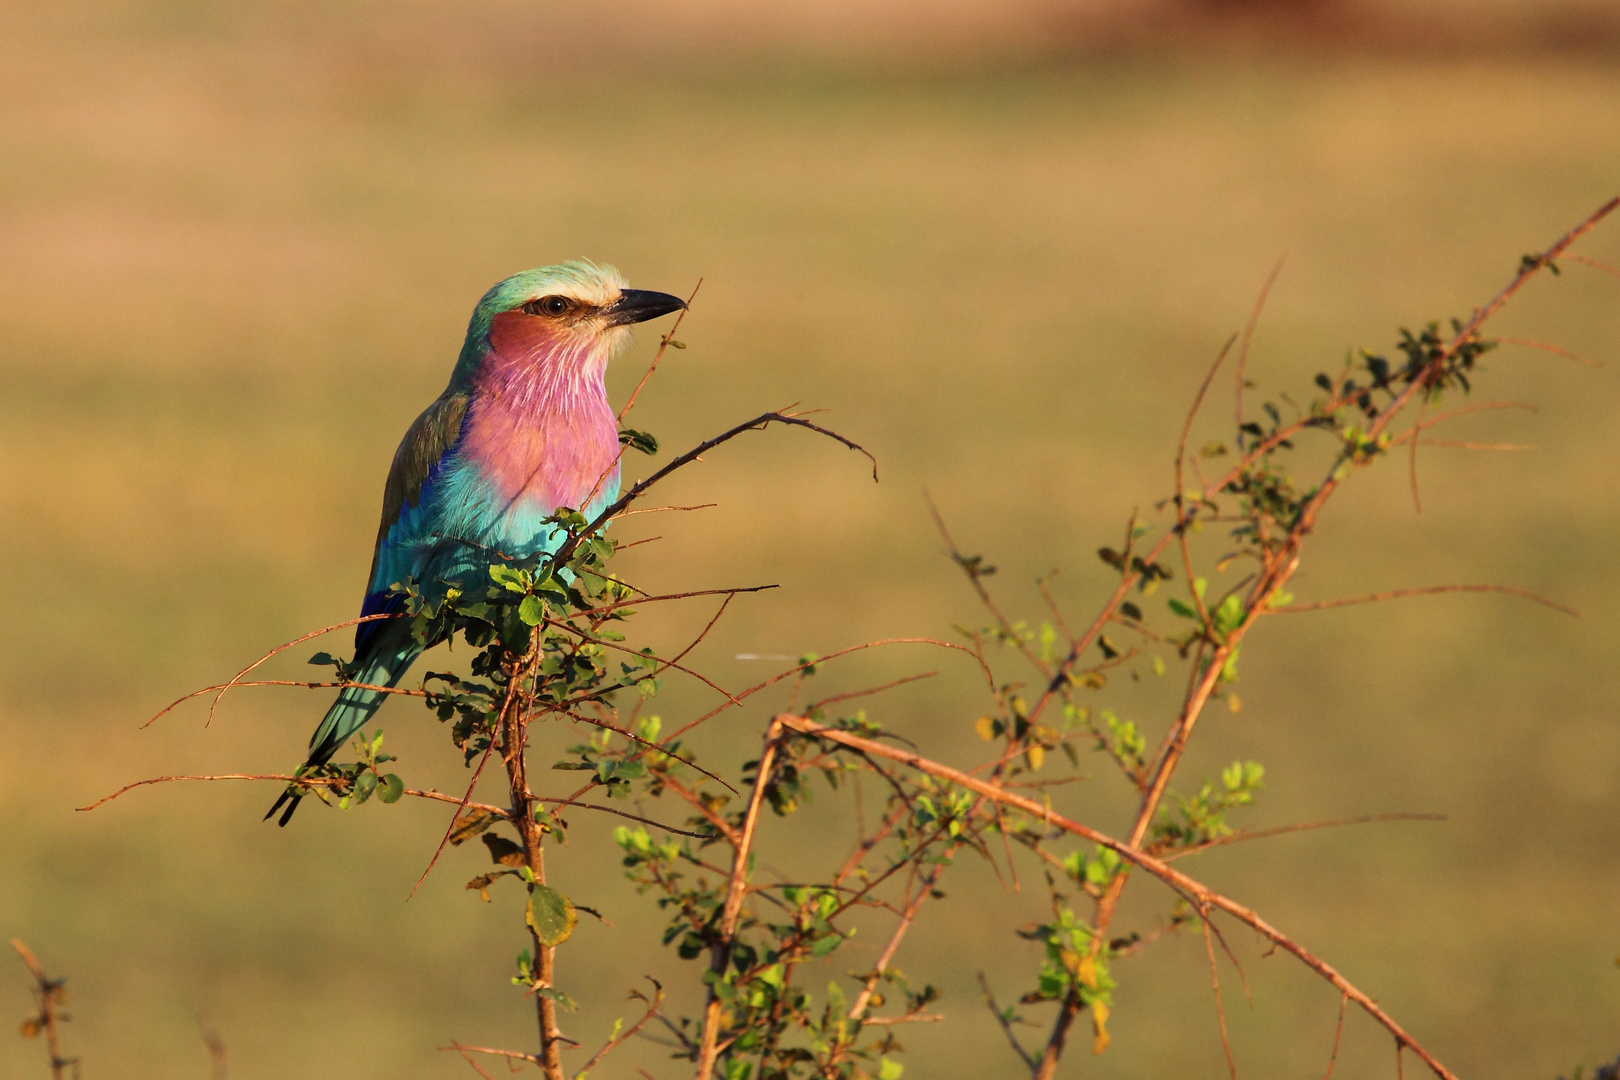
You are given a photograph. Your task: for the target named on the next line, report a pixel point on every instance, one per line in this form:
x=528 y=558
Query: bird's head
x=576 y=312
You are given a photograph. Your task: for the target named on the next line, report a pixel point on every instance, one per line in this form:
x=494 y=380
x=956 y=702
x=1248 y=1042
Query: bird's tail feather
x=392 y=655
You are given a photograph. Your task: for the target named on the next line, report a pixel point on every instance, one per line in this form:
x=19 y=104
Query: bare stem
x=1194 y=891
x=736 y=892
x=514 y=724
x=49 y=997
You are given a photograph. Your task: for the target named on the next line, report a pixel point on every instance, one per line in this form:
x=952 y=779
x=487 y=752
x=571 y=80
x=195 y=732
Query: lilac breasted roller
x=523 y=428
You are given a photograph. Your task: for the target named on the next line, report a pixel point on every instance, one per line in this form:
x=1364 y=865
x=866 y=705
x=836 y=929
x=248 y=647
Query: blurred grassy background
x=237 y=250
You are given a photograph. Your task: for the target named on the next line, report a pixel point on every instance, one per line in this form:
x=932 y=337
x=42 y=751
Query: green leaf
x=532 y=610
x=1182 y=608
x=826 y=945
x=890 y=1070
x=551 y=915
x=391 y=788
x=638 y=440
x=564 y=1002
x=509 y=578
x=365 y=785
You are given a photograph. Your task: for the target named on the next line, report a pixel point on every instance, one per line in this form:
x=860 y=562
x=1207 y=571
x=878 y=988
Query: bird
x=523 y=429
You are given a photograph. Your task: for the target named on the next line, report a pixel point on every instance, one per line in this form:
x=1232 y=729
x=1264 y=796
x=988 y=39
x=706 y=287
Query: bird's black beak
x=639 y=305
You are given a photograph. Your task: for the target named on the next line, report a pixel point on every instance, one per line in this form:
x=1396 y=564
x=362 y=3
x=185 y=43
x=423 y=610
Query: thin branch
x=736 y=892
x=1180 y=498
x=721 y=824
x=620 y=813
x=276 y=652
x=470 y=1060
x=744 y=695
x=276 y=682
x=515 y=1055
x=216 y=1048
x=1556 y=350
x=308 y=684
x=1338 y=1033
x=869 y=691
x=1462 y=410
x=598 y=612
x=652 y=1008
x=48 y=996
x=1194 y=891
x=1215 y=984
x=759 y=423
x=1397 y=594
x=1459 y=444
x=1248 y=334
x=1127 y=578
x=1593 y=263
x=721 y=610
x=586 y=635
x=976 y=577
x=1412 y=455
x=1531 y=266
x=913 y=1018
x=288 y=778
x=1046 y=1068
x=659 y=355
x=1262 y=834
x=417 y=793
x=1058 y=618
x=466 y=801
x=1006 y=1025
x=858 y=1010
x=663 y=509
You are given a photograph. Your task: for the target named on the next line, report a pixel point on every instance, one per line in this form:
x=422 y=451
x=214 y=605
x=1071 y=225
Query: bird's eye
x=549 y=305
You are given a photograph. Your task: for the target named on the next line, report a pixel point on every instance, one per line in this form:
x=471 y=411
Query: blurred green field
x=237 y=253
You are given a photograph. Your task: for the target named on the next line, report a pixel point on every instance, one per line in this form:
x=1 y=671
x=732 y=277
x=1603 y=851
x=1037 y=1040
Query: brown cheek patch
x=514 y=333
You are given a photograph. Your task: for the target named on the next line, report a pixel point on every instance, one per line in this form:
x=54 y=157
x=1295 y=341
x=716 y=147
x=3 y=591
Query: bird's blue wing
x=421 y=457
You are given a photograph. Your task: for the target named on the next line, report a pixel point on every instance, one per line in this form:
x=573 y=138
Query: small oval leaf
x=551 y=915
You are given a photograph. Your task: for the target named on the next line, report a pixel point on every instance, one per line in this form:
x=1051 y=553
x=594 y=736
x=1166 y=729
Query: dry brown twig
x=216 y=1048
x=663 y=345
x=416 y=793
x=613 y=1043
x=1215 y=985
x=1240 y=379
x=736 y=892
x=1190 y=889
x=49 y=997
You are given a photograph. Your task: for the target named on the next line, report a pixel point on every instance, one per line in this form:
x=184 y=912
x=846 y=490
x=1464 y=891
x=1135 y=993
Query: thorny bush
x=550 y=642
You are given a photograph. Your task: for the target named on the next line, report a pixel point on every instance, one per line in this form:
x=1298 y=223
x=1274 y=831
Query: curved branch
x=435 y=796
x=237 y=681
x=286 y=778
x=1427 y=590
x=1194 y=891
